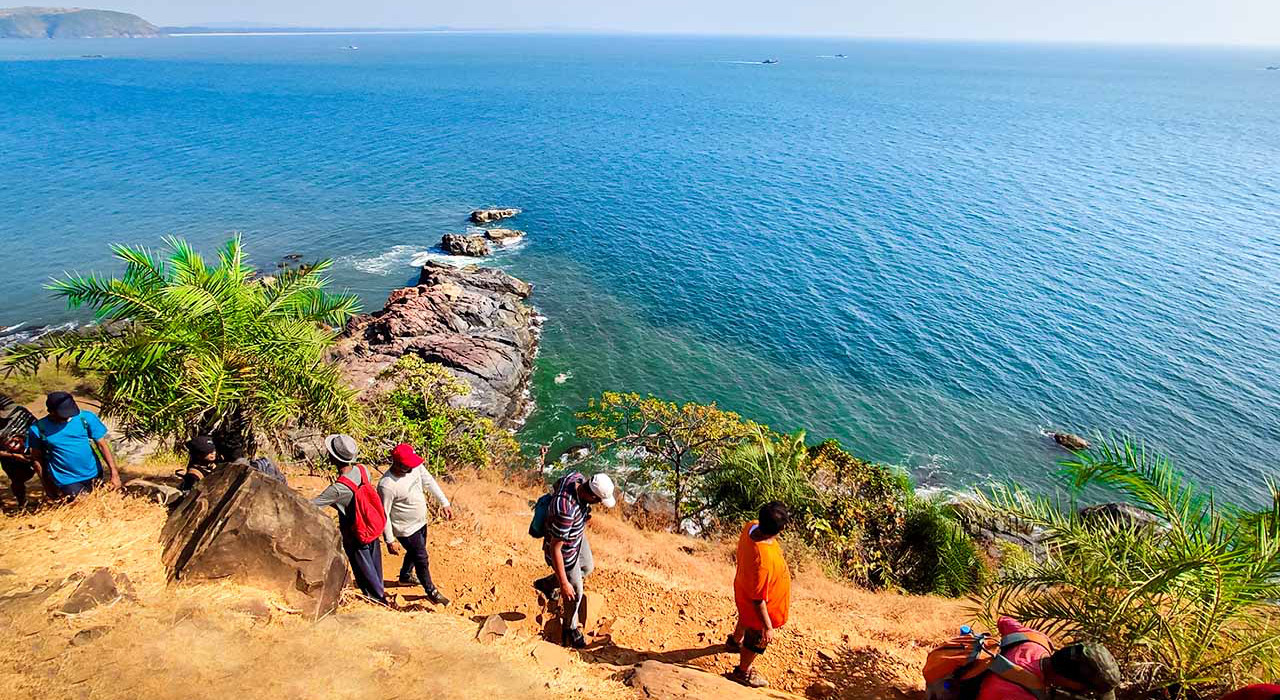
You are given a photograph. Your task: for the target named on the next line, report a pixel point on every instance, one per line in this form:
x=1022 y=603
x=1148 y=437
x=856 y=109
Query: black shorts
x=18 y=472
x=754 y=641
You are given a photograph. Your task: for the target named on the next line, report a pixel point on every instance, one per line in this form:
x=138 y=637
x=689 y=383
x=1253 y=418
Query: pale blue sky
x=1139 y=21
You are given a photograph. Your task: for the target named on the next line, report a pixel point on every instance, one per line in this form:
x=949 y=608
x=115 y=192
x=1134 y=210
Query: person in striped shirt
x=567 y=550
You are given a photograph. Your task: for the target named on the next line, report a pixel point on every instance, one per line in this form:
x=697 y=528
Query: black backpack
x=541 y=509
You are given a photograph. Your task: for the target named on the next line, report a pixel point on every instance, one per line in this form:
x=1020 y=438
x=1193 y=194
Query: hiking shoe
x=573 y=638
x=548 y=587
x=750 y=678
x=409 y=579
x=435 y=596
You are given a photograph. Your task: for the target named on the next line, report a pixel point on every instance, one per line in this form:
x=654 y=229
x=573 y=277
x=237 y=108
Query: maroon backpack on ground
x=370 y=519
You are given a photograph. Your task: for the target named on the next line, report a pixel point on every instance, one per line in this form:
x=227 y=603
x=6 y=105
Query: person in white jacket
x=403 y=490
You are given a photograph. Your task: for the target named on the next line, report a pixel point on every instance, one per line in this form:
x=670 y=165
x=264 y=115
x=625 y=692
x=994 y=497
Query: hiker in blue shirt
x=63 y=446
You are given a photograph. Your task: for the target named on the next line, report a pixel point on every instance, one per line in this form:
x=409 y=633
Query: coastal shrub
x=418 y=410
x=183 y=346
x=863 y=505
x=935 y=554
x=861 y=518
x=1182 y=590
x=673 y=447
x=764 y=468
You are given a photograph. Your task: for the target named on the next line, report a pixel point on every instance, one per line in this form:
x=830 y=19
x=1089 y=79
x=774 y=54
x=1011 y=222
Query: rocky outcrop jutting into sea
x=474 y=321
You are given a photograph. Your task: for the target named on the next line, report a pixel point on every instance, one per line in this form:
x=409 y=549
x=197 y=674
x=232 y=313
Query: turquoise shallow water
x=930 y=251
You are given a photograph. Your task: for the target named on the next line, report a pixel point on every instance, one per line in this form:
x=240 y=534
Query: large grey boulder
x=474 y=245
x=240 y=525
x=473 y=321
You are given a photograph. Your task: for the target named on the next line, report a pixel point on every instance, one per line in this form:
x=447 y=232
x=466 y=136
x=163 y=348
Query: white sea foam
x=400 y=257
x=19 y=333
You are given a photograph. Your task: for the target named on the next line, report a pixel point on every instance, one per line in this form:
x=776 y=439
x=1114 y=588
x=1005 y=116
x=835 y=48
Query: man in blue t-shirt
x=62 y=447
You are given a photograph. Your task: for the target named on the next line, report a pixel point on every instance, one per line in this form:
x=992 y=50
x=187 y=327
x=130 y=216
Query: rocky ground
x=667 y=598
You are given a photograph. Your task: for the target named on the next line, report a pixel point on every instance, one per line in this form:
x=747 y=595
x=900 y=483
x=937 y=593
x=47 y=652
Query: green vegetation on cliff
x=863 y=520
x=71 y=23
x=1182 y=588
x=183 y=346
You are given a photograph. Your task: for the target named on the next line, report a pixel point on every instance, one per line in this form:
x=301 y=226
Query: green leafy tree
x=183 y=346
x=677 y=446
x=1184 y=597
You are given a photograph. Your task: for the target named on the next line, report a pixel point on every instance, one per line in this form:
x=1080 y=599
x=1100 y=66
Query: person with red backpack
x=361 y=518
x=1020 y=664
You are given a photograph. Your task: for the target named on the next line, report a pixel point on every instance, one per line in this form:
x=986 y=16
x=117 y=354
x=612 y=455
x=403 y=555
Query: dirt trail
x=669 y=598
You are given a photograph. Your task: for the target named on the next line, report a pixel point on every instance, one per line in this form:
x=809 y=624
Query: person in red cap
x=403 y=490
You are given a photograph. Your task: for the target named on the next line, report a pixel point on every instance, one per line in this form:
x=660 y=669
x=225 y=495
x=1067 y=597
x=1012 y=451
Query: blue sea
x=930 y=251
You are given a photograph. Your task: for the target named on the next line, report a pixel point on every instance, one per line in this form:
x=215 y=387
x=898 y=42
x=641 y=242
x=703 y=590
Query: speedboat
x=351 y=47
x=840 y=55
x=769 y=61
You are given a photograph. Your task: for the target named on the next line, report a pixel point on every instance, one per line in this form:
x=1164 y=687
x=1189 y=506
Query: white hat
x=602 y=486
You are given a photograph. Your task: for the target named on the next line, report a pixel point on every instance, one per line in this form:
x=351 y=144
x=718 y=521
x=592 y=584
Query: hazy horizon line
x=265 y=28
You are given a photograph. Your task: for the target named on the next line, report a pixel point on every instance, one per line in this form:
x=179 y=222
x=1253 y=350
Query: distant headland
x=71 y=23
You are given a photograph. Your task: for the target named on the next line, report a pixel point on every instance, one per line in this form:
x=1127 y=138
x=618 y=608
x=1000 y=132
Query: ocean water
x=931 y=251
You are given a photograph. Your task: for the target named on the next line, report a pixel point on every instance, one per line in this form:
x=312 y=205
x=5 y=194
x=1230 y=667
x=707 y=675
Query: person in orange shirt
x=762 y=590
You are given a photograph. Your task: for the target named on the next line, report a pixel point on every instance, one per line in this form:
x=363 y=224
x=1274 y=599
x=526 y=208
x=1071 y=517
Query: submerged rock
x=474 y=321
x=1072 y=442
x=474 y=245
x=504 y=236
x=240 y=525
x=485 y=216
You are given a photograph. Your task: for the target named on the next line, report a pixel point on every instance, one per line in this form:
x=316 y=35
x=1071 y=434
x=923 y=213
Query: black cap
x=200 y=445
x=62 y=405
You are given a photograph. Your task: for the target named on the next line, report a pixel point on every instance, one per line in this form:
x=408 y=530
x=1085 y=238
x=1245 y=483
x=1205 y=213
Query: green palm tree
x=183 y=346
x=1185 y=597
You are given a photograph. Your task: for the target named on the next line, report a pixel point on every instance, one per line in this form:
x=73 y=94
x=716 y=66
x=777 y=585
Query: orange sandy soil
x=671 y=598
x=668 y=598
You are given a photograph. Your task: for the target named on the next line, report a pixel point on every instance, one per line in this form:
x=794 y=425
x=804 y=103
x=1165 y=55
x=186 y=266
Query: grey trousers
x=576 y=611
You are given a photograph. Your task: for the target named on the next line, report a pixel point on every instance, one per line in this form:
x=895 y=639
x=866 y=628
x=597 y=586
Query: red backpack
x=370 y=518
x=955 y=670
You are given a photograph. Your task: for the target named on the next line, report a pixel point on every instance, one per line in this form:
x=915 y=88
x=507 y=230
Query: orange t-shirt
x=762 y=575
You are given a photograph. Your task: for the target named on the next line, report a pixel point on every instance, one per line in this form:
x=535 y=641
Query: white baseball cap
x=602 y=486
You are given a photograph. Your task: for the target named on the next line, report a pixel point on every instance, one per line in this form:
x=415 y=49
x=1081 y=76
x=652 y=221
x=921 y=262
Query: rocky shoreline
x=474 y=321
